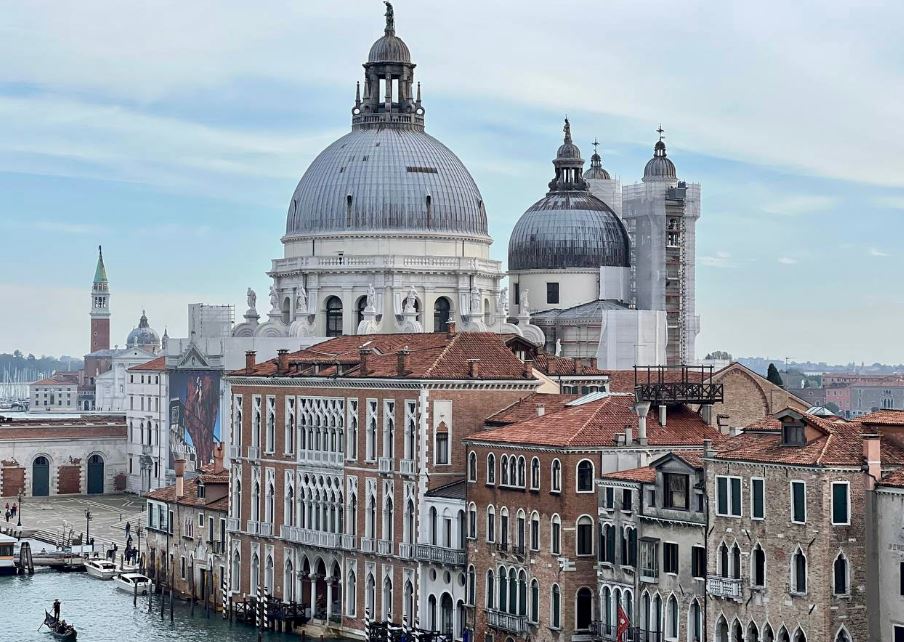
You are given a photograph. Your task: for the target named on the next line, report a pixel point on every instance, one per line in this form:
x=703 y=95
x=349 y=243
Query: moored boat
x=129 y=581
x=101 y=569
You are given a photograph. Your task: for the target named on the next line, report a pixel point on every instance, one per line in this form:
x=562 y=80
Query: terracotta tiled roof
x=526 y=408
x=190 y=491
x=840 y=443
x=155 y=365
x=431 y=356
x=93 y=427
x=595 y=424
x=65 y=378
x=642 y=475
x=691 y=458
x=766 y=423
x=894 y=479
x=883 y=418
x=552 y=365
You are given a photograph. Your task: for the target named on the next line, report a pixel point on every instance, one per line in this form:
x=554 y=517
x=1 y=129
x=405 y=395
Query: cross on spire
x=660 y=131
x=596 y=144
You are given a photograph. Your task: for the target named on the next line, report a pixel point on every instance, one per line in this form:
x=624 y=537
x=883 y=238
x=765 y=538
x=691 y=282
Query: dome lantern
x=596 y=170
x=659 y=168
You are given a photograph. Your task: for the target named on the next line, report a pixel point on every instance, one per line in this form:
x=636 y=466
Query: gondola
x=59 y=631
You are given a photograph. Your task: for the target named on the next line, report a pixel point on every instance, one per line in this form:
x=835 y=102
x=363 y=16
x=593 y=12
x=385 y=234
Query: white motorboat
x=101 y=569
x=127 y=568
x=129 y=581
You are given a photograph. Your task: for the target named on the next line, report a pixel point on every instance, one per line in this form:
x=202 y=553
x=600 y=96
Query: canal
x=102 y=613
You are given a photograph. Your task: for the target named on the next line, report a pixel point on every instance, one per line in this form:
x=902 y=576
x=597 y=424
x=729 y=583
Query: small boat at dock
x=101 y=569
x=129 y=581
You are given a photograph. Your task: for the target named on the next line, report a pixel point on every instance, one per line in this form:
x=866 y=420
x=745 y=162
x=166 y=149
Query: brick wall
x=69 y=478
x=13 y=480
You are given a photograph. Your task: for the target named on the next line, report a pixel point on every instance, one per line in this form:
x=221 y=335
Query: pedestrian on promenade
x=128 y=528
x=13 y=513
x=7 y=512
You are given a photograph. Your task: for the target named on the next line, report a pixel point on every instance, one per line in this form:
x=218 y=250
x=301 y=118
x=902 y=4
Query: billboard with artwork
x=195 y=408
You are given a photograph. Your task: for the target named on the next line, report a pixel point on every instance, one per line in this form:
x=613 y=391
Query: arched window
x=521 y=530
x=724 y=570
x=503 y=526
x=472 y=521
x=433 y=527
x=695 y=623
x=842 y=635
x=671 y=618
x=503 y=589
x=799 y=572
x=840 y=575
x=288 y=582
x=783 y=635
x=387 y=597
x=513 y=472
x=534 y=600
x=333 y=317
x=490 y=590
x=753 y=631
x=388 y=521
x=555 y=607
x=585 y=476
x=236 y=571
x=237 y=498
x=350 y=594
x=431 y=612
x=504 y=470
x=491 y=469
x=491 y=524
x=736 y=561
x=472 y=585
x=370 y=597
x=584 y=537
x=362 y=304
x=441 y=313
x=487 y=318
x=721 y=630
x=556 y=477
x=800 y=636
x=758 y=566
x=535 y=474
x=555 y=535
x=472 y=466
x=255 y=573
x=535 y=531
x=584 y=609
x=521 y=472
x=513 y=591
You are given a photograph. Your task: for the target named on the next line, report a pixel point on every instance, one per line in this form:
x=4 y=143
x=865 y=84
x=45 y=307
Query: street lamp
x=19 y=510
x=87 y=529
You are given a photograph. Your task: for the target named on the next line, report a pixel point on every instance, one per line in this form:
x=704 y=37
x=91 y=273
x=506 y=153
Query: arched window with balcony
x=556 y=477
x=472 y=466
x=535 y=474
x=491 y=469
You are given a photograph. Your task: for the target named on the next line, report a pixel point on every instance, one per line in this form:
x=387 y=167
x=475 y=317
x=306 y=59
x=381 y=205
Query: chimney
x=282 y=357
x=541 y=410
x=473 y=368
x=872 y=454
x=706 y=413
x=642 y=408
x=708 y=450
x=578 y=365
x=629 y=435
x=404 y=359
x=662 y=414
x=593 y=363
x=218 y=457
x=249 y=359
x=722 y=424
x=362 y=354
x=180 y=478
x=450 y=329
x=527 y=370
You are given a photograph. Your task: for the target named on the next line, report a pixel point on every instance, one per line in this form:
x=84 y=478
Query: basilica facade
x=386 y=232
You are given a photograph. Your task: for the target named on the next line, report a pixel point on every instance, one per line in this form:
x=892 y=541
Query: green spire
x=100 y=274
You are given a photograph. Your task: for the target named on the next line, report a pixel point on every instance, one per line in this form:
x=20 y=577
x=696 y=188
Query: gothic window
x=491 y=469
x=472 y=466
x=556 y=483
x=585 y=536
x=362 y=303
x=798 y=572
x=758 y=567
x=840 y=575
x=555 y=539
x=535 y=474
x=585 y=476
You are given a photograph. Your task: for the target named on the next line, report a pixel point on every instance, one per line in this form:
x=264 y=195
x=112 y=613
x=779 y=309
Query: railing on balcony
x=147 y=450
x=406 y=466
x=265 y=529
x=728 y=587
x=235 y=452
x=649 y=574
x=384 y=546
x=254 y=452
x=367 y=544
x=406 y=551
x=311 y=537
x=217 y=547
x=233 y=524
x=384 y=464
x=253 y=527
x=506 y=621
x=321 y=457
x=349 y=542
x=441 y=555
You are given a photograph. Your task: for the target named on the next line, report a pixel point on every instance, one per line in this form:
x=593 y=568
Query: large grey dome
x=568 y=230
x=387 y=179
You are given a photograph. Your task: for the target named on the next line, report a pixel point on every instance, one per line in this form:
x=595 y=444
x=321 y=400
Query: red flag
x=622 y=624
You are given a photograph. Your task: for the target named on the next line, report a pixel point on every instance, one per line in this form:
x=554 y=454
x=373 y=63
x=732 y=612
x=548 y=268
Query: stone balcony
x=384 y=547
x=321 y=458
x=507 y=621
x=254 y=452
x=727 y=587
x=235 y=452
x=368 y=544
x=233 y=524
x=407 y=467
x=441 y=555
x=406 y=551
x=384 y=464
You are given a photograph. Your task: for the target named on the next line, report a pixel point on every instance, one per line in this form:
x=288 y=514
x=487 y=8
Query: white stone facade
x=110 y=386
x=149 y=436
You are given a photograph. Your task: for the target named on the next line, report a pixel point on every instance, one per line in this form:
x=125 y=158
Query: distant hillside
x=22 y=368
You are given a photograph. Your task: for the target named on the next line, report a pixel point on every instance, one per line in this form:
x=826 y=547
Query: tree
x=773 y=376
x=833 y=408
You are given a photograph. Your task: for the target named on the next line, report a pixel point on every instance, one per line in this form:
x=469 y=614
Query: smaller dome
x=659 y=168
x=143 y=336
x=569 y=151
x=597 y=171
x=389 y=48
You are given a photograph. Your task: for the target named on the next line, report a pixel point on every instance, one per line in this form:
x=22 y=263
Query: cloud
x=800 y=204
x=787 y=260
x=890 y=202
x=719 y=260
x=877 y=252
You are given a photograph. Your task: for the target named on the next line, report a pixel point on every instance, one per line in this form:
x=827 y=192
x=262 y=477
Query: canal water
x=102 y=613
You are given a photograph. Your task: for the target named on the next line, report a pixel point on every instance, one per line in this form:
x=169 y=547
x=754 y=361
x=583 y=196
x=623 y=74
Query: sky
x=174 y=133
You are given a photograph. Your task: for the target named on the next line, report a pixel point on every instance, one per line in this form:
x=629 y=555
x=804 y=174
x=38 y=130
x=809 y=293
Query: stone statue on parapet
x=410 y=300
x=252 y=299
x=301 y=303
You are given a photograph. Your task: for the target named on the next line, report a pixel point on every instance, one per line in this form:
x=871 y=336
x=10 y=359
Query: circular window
x=461 y=579
x=433 y=574
x=447 y=577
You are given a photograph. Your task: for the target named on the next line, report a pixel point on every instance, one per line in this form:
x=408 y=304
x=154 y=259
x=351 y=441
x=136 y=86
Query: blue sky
x=174 y=133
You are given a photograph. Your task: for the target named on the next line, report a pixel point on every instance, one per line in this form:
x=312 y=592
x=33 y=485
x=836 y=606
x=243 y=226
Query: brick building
x=337 y=451
x=41 y=457
x=793 y=517
x=534 y=533
x=187 y=521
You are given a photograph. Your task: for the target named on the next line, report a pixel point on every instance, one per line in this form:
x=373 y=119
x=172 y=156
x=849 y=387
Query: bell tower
x=100 y=306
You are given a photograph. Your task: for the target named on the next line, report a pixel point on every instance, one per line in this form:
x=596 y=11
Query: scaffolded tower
x=661 y=215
